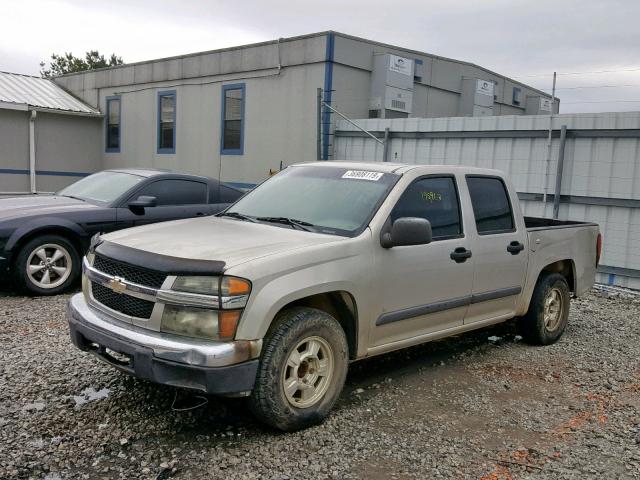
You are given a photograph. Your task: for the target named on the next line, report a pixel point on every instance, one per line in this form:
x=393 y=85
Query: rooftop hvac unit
x=391 y=86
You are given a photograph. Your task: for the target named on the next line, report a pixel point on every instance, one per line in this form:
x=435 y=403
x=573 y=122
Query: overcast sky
x=526 y=40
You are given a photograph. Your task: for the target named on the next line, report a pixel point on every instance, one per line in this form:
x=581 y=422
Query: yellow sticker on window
x=431 y=197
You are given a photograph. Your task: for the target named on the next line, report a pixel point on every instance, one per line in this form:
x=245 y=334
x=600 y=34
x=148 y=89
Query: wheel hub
x=48 y=266
x=553 y=307
x=308 y=372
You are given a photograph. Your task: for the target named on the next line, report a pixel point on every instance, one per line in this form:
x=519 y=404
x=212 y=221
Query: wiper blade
x=237 y=215
x=75 y=198
x=301 y=224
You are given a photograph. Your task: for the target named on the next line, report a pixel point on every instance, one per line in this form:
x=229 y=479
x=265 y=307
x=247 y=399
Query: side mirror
x=143 y=201
x=407 y=231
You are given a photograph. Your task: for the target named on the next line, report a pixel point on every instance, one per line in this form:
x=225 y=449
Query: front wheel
x=46 y=265
x=302 y=370
x=548 y=313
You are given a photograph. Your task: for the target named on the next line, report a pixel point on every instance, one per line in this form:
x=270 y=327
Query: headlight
x=217 y=286
x=200 y=322
x=230 y=294
x=85 y=281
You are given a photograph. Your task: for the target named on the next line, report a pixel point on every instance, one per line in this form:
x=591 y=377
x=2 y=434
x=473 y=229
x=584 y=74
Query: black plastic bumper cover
x=140 y=362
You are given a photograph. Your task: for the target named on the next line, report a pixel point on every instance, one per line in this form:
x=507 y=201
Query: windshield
x=329 y=199
x=103 y=187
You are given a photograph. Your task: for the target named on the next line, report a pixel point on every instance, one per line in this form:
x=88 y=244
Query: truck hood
x=214 y=238
x=40 y=205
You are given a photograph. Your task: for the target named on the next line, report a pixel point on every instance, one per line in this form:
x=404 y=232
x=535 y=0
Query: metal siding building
x=280 y=80
x=47 y=137
x=601 y=170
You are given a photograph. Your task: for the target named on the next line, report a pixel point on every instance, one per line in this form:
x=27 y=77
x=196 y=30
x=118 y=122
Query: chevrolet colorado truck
x=323 y=264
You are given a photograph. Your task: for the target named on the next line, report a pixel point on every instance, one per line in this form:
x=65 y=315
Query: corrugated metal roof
x=39 y=92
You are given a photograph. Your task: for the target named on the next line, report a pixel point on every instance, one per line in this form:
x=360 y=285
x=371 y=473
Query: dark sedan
x=43 y=237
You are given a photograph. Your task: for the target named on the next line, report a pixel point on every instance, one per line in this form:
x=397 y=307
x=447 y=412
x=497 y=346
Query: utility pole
x=548 y=161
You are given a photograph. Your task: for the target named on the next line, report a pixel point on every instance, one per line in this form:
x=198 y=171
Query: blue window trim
x=232 y=151
x=167 y=93
x=106 y=124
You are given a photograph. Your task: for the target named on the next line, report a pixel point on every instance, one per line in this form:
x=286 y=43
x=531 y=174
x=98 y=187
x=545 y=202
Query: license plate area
x=113 y=357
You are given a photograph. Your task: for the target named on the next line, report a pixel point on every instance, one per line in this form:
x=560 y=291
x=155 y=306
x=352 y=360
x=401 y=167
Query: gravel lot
x=482 y=405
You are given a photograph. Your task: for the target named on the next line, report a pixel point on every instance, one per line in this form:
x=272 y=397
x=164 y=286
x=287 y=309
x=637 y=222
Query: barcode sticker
x=363 y=175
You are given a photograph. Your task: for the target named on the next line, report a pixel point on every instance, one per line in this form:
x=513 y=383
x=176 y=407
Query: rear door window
x=435 y=199
x=491 y=205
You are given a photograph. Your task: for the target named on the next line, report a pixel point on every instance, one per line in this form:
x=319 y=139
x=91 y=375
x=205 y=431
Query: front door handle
x=515 y=247
x=460 y=255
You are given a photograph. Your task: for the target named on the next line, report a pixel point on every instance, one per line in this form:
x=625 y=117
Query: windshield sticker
x=363 y=175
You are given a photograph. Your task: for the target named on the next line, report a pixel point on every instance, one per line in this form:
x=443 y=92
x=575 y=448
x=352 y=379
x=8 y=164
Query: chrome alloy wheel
x=49 y=266
x=308 y=372
x=553 y=307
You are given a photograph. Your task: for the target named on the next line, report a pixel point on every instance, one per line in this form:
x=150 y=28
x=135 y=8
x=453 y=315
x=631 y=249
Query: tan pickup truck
x=323 y=264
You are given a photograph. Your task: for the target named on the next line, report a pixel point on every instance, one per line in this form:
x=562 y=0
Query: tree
x=68 y=63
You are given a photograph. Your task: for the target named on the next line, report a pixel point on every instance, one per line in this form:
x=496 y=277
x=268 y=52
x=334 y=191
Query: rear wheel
x=548 y=313
x=302 y=370
x=47 y=265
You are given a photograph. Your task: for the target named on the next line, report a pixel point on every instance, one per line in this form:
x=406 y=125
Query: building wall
x=67 y=148
x=280 y=108
x=281 y=80
x=14 y=150
x=437 y=92
x=601 y=174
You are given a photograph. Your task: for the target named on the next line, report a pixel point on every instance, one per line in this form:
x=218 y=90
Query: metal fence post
x=319 y=125
x=385 y=149
x=560 y=168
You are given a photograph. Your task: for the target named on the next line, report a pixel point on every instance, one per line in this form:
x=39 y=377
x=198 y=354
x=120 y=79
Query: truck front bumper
x=223 y=368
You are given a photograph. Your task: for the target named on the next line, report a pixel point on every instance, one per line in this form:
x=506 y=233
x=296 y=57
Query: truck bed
x=540 y=223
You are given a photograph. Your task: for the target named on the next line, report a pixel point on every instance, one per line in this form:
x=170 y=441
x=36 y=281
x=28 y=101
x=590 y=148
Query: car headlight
x=230 y=294
x=200 y=322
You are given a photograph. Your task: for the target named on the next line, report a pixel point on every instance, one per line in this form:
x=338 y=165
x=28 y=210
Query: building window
x=113 y=124
x=232 y=137
x=517 y=96
x=167 y=122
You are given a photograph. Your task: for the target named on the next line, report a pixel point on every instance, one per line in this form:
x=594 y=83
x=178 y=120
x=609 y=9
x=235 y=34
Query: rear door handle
x=515 y=247
x=460 y=255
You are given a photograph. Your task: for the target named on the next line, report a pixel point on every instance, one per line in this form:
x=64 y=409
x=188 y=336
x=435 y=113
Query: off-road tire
x=532 y=325
x=23 y=281
x=268 y=401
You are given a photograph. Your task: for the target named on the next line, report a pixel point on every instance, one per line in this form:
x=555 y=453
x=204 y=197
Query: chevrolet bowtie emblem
x=117 y=285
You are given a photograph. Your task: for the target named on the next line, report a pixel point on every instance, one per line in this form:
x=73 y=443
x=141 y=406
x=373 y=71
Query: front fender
x=270 y=297
x=42 y=224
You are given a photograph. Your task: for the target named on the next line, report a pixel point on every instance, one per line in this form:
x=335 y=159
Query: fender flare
x=43 y=224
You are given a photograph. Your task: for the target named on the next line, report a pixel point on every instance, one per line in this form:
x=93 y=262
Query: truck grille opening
x=131 y=306
x=131 y=273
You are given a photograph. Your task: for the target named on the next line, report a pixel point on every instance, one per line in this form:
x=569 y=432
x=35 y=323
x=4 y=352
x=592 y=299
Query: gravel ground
x=482 y=405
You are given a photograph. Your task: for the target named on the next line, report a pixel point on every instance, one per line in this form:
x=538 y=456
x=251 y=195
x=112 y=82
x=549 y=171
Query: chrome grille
x=131 y=273
x=125 y=304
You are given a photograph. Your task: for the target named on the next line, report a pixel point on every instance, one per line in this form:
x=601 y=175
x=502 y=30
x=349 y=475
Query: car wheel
x=47 y=265
x=548 y=313
x=302 y=370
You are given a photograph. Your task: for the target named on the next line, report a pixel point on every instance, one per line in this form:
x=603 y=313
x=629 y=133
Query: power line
x=603 y=101
x=635 y=69
x=597 y=86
